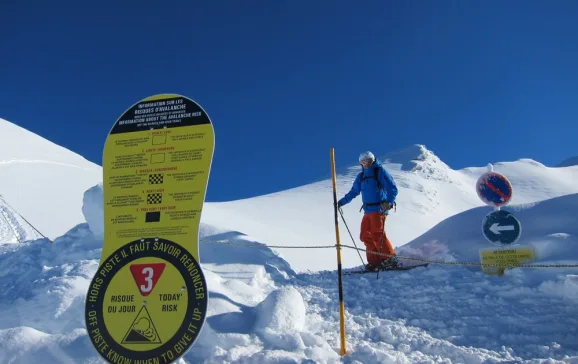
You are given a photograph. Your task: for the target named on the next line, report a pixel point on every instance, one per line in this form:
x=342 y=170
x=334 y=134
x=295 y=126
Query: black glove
x=385 y=205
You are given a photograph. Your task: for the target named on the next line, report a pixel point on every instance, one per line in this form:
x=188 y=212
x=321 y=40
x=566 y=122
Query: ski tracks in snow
x=36 y=161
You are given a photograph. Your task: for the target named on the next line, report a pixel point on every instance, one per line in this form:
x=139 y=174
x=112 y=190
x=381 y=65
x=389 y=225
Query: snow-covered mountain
x=264 y=308
x=573 y=161
x=42 y=181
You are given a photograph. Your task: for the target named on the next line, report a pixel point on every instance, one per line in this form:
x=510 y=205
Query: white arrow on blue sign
x=494 y=189
x=501 y=227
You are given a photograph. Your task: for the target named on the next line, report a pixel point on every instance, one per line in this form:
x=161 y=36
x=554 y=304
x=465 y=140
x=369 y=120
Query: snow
x=274 y=305
x=93 y=210
x=13 y=227
x=42 y=181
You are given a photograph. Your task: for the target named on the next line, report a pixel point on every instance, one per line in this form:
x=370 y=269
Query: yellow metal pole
x=341 y=306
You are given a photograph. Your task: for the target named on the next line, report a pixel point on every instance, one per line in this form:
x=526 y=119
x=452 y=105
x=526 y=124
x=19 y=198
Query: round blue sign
x=501 y=228
x=494 y=189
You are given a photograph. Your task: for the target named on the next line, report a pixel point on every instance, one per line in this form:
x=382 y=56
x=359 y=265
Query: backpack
x=379 y=185
x=375 y=176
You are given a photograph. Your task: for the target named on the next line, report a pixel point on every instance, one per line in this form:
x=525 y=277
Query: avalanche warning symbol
x=142 y=330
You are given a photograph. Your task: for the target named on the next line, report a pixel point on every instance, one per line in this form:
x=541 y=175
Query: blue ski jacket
x=371 y=195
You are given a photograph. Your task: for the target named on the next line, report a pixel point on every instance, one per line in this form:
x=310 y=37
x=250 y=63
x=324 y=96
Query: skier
x=378 y=194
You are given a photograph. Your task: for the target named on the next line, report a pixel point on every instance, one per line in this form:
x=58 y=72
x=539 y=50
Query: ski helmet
x=366 y=156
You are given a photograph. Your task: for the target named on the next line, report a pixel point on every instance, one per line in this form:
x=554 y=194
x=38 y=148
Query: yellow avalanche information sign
x=504 y=258
x=148 y=299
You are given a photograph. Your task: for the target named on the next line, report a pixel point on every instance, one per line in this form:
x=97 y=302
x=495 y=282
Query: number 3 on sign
x=146 y=276
x=148 y=279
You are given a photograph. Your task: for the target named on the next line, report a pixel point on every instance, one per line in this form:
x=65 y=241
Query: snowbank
x=549 y=227
x=93 y=210
x=260 y=310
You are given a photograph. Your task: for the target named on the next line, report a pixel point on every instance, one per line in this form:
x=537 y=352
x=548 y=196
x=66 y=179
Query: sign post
x=500 y=228
x=148 y=300
x=503 y=258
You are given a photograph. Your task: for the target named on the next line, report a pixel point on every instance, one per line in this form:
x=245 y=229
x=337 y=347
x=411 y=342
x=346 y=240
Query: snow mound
x=280 y=319
x=549 y=227
x=93 y=210
x=43 y=284
x=282 y=310
x=27 y=345
x=571 y=287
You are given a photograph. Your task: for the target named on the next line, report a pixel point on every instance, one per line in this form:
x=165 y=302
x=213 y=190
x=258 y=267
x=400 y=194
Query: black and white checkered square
x=156 y=179
x=154 y=198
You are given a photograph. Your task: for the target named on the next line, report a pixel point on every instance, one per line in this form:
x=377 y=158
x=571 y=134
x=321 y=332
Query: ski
x=351 y=272
x=385 y=270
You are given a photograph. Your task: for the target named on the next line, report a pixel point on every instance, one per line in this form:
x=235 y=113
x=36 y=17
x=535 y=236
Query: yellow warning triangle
x=142 y=330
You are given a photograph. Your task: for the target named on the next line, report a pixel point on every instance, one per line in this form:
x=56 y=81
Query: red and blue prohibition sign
x=494 y=189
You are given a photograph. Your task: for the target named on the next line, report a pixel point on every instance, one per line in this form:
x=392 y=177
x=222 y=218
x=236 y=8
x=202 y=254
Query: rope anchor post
x=343 y=350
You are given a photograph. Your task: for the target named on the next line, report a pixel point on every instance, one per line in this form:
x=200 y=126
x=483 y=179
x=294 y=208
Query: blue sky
x=476 y=82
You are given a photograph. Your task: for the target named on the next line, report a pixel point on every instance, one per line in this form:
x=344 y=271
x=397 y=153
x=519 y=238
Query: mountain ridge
x=570 y=162
x=33 y=168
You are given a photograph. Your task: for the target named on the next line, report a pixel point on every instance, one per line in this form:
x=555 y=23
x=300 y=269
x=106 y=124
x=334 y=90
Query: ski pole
x=381 y=243
x=356 y=249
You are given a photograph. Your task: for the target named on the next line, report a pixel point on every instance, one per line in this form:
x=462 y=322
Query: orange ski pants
x=374 y=237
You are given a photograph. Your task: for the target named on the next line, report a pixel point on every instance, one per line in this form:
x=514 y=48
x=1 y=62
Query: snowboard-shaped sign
x=148 y=299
